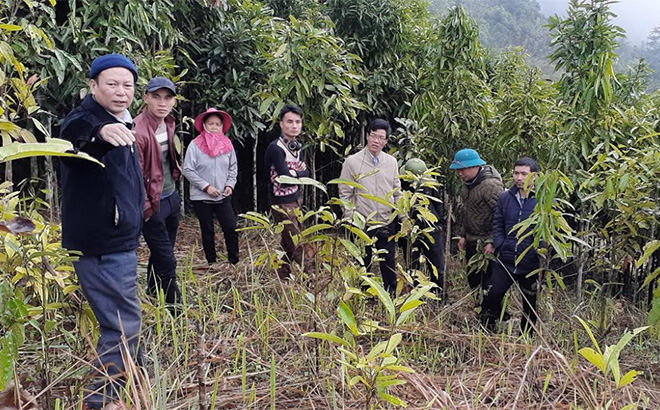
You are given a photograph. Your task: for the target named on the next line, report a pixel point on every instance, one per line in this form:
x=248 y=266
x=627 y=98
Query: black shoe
x=488 y=321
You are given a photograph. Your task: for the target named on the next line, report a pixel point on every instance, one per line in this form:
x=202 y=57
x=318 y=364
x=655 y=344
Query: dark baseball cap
x=157 y=83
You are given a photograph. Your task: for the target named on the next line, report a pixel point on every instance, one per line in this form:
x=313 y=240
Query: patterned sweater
x=280 y=161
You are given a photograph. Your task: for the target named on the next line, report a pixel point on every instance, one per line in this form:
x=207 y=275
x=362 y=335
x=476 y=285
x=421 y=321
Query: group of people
x=105 y=209
x=489 y=214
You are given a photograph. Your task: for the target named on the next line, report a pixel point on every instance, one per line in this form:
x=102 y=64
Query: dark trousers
x=294 y=253
x=224 y=212
x=500 y=282
x=433 y=252
x=160 y=234
x=109 y=282
x=387 y=265
x=479 y=278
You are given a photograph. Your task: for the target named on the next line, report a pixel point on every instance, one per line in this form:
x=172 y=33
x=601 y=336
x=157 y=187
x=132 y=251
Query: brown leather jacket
x=151 y=158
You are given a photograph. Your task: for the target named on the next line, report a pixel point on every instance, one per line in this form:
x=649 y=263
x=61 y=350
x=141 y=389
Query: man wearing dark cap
x=154 y=136
x=102 y=217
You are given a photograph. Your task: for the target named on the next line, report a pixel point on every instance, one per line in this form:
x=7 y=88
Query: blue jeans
x=109 y=283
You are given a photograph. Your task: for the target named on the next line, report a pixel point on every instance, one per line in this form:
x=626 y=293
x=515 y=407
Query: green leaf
x=378 y=199
x=346 y=315
x=359 y=233
x=338 y=181
x=284 y=179
x=315 y=228
x=352 y=249
x=10 y=27
x=6 y=365
x=392 y=344
x=591 y=335
x=628 y=378
x=377 y=350
x=52 y=147
x=594 y=358
x=392 y=399
x=384 y=297
x=327 y=337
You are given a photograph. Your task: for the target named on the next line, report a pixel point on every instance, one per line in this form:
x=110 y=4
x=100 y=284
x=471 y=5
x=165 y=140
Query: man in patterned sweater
x=284 y=157
x=482 y=189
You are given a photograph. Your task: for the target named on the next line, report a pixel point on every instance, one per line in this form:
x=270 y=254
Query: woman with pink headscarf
x=211 y=168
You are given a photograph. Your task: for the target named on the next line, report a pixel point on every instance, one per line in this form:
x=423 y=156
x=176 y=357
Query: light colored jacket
x=202 y=170
x=378 y=180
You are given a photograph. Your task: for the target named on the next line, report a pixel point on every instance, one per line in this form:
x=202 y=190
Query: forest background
x=493 y=75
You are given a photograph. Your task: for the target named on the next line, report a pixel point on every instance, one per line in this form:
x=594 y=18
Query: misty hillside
x=521 y=23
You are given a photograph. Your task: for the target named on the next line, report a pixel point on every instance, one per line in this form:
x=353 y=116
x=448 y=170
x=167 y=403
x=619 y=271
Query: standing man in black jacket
x=102 y=217
x=284 y=157
x=514 y=206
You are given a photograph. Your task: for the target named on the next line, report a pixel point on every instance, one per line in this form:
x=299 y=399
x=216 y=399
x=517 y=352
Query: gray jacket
x=202 y=170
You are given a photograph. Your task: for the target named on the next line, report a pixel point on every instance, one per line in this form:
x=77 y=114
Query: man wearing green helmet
x=481 y=190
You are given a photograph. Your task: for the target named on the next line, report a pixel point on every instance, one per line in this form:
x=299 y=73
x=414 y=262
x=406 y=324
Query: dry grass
x=241 y=333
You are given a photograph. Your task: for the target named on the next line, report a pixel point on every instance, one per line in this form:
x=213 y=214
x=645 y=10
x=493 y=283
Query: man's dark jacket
x=508 y=213
x=101 y=207
x=479 y=198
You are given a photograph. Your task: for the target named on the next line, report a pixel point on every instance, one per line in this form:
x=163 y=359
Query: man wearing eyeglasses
x=378 y=173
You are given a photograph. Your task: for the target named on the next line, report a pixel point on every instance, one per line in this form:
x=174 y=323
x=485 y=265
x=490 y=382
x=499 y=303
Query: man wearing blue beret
x=102 y=218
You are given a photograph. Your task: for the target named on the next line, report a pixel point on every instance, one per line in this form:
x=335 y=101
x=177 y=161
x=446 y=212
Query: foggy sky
x=637 y=17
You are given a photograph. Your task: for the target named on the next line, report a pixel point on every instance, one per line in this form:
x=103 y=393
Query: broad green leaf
x=346 y=315
x=352 y=249
x=591 y=336
x=6 y=365
x=393 y=343
x=628 y=378
x=328 y=337
x=339 y=181
x=284 y=179
x=52 y=147
x=378 y=199
x=10 y=27
x=384 y=297
x=377 y=350
x=315 y=228
x=392 y=399
x=359 y=233
x=594 y=358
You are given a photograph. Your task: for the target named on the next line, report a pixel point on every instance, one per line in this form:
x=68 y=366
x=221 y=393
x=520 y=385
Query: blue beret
x=112 y=60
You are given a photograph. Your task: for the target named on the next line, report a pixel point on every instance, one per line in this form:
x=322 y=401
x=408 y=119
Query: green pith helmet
x=414 y=165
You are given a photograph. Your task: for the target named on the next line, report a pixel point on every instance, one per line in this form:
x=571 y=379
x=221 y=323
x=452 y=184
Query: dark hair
x=379 y=124
x=287 y=109
x=527 y=162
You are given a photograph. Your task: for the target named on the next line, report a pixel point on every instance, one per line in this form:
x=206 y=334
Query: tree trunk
x=312 y=173
x=9 y=175
x=447 y=248
x=255 y=200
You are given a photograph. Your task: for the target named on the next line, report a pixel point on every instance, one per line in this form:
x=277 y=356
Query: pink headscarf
x=213 y=144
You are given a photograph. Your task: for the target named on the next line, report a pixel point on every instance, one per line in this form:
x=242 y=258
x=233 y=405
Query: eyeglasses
x=377 y=136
